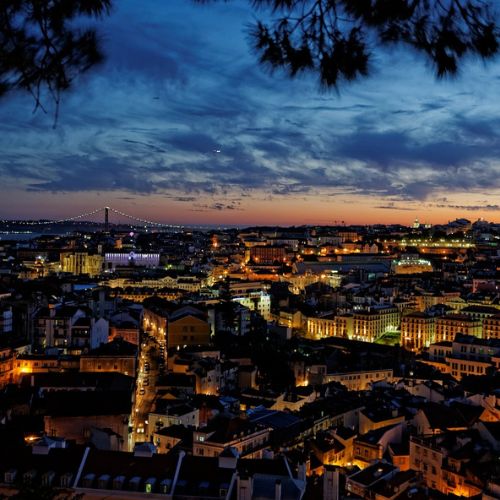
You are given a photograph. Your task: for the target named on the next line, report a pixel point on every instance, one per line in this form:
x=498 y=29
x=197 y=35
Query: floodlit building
x=371 y=324
x=417 y=331
x=447 y=327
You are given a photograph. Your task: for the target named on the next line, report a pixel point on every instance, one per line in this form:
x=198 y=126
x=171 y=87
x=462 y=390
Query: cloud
x=217 y=206
x=180 y=84
x=473 y=208
x=393 y=206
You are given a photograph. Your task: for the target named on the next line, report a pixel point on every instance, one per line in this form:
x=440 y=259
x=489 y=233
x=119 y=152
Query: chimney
x=277 y=490
x=302 y=471
x=331 y=483
x=245 y=487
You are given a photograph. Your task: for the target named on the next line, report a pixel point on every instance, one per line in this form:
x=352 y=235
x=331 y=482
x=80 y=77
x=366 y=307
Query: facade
x=78 y=263
x=127 y=259
x=417 y=331
x=267 y=254
x=371 y=324
x=187 y=326
x=360 y=380
x=7 y=359
x=491 y=327
x=52 y=327
x=6 y=318
x=247 y=438
x=434 y=459
x=465 y=355
x=73 y=415
x=258 y=301
x=448 y=326
x=177 y=326
x=175 y=415
x=411 y=266
x=116 y=356
x=472 y=356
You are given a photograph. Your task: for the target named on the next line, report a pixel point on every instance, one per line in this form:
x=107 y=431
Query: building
x=371 y=324
x=7 y=359
x=247 y=438
x=371 y=419
x=130 y=259
x=472 y=356
x=447 y=327
x=359 y=483
x=443 y=460
x=125 y=326
x=176 y=326
x=359 y=380
x=253 y=296
x=417 y=331
x=6 y=318
x=411 y=265
x=187 y=326
x=491 y=327
x=74 y=415
x=78 y=263
x=52 y=325
x=169 y=414
x=115 y=356
x=267 y=254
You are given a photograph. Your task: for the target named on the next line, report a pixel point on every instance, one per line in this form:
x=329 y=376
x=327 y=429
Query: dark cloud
x=393 y=206
x=287 y=189
x=473 y=208
x=185 y=199
x=217 y=206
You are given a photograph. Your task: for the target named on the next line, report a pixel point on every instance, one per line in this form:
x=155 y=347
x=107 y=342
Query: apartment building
x=447 y=327
x=371 y=324
x=417 y=331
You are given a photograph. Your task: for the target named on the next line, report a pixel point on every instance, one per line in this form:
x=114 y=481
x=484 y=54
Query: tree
x=43 y=49
x=337 y=38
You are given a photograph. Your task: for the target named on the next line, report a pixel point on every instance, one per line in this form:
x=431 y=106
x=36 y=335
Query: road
x=146 y=389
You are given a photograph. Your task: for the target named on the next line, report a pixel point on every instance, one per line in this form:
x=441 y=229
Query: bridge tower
x=106 y=219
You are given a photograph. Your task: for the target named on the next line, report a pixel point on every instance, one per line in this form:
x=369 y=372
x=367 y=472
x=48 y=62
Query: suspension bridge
x=104 y=213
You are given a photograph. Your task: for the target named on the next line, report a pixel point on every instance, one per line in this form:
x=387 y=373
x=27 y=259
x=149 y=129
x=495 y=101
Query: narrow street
x=146 y=389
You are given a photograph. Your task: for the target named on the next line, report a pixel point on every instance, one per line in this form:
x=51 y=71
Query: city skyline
x=181 y=126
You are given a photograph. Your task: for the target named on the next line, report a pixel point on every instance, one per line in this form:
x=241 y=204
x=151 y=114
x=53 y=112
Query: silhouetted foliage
x=42 y=48
x=336 y=38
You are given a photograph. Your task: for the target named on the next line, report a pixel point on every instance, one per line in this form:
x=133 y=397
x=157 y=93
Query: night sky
x=181 y=125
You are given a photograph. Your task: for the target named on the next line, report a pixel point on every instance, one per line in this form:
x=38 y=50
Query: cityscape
x=249 y=250
x=317 y=362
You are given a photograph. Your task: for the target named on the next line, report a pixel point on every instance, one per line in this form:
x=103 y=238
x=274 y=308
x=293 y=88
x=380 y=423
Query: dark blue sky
x=182 y=125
